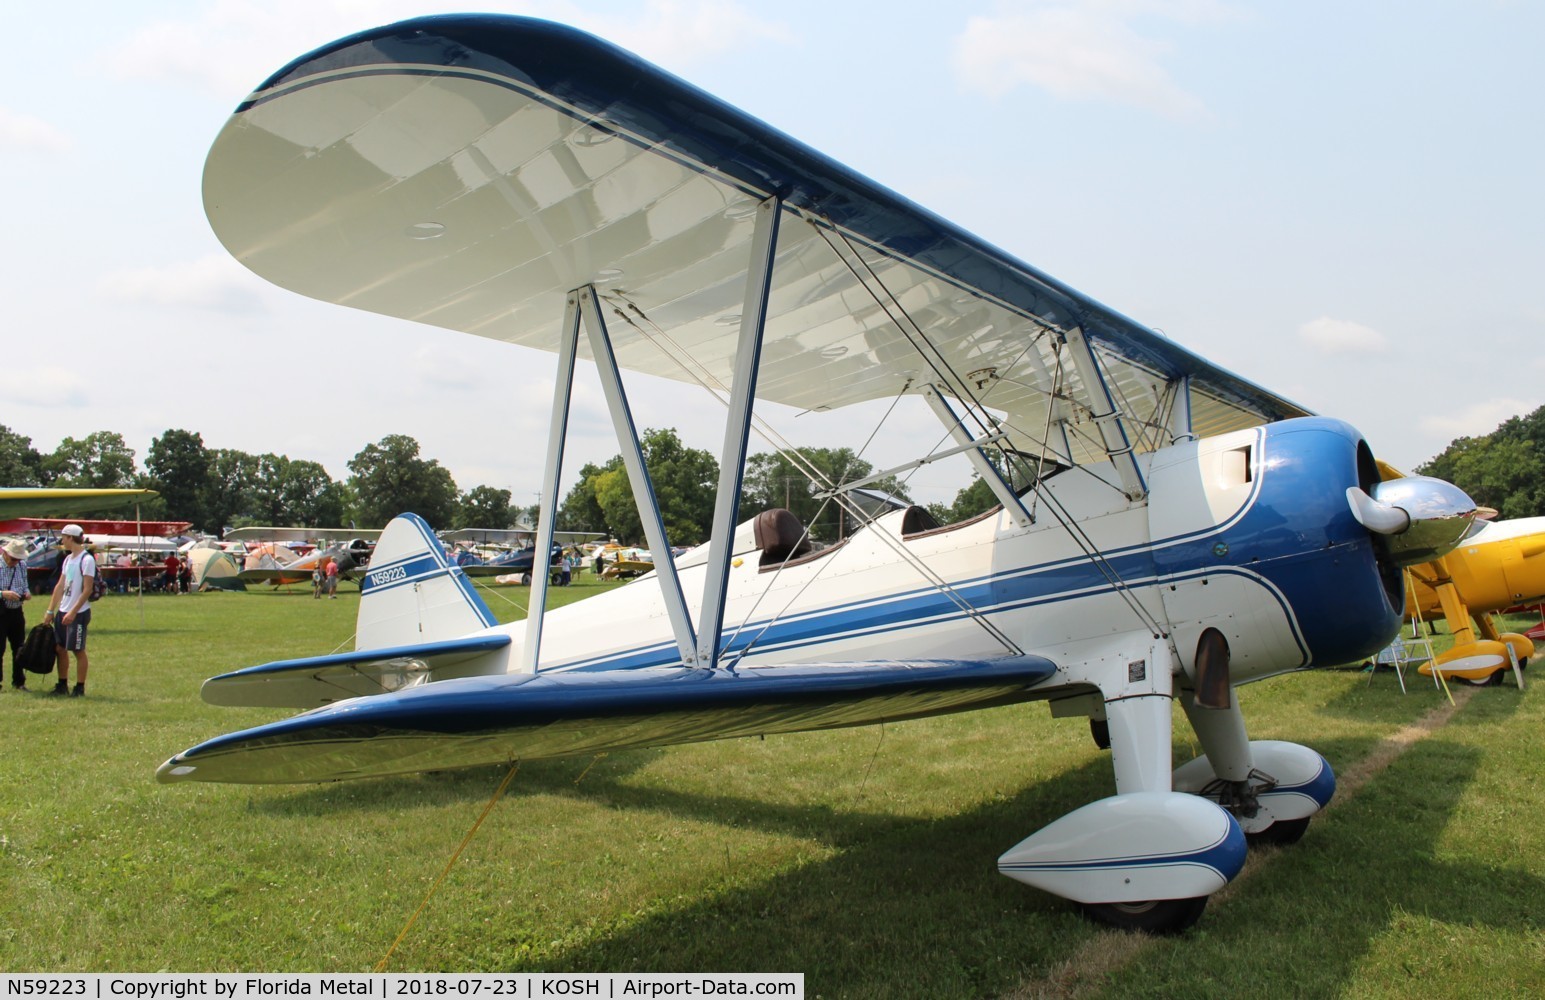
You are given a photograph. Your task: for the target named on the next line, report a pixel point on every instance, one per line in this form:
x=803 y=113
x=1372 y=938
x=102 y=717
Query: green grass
x=863 y=858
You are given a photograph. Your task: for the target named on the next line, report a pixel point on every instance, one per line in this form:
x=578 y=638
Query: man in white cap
x=70 y=608
x=13 y=620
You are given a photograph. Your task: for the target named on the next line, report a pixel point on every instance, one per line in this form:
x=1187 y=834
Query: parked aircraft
x=270 y=560
x=518 y=554
x=1168 y=530
x=1498 y=565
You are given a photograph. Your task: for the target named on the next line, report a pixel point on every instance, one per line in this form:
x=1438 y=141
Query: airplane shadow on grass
x=916 y=905
x=1371 y=860
x=907 y=906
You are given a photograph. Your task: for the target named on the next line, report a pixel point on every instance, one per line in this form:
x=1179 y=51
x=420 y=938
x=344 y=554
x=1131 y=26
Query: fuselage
x=1248 y=533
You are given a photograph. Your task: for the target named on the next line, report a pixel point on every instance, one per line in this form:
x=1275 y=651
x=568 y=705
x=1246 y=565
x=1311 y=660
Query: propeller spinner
x=1420 y=518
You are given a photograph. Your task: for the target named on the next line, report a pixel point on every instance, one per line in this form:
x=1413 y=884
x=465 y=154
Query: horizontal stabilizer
x=491 y=720
x=321 y=680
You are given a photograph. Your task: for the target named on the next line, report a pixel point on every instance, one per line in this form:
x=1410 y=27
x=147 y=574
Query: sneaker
x=62 y=687
x=79 y=692
x=18 y=687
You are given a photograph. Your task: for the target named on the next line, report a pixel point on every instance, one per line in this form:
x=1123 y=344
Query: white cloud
x=1476 y=419
x=1081 y=50
x=679 y=32
x=231 y=46
x=215 y=282
x=48 y=386
x=27 y=134
x=1341 y=336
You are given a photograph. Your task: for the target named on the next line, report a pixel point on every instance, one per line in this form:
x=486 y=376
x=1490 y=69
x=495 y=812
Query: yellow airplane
x=1499 y=565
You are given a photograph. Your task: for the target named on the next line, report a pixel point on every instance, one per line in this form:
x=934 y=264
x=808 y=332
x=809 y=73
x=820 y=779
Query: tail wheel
x=1154 y=916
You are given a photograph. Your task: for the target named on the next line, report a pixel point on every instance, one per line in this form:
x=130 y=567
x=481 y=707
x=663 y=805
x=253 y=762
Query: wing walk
x=469 y=171
x=490 y=720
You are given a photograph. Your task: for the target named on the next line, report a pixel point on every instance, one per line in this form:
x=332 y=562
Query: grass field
x=863 y=858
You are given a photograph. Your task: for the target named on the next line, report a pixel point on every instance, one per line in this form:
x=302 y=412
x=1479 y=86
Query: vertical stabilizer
x=412 y=594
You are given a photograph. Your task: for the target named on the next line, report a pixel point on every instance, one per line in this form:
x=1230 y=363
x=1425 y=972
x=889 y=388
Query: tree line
x=1504 y=469
x=220 y=488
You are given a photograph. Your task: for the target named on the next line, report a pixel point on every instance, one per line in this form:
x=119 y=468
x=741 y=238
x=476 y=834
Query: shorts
x=72 y=637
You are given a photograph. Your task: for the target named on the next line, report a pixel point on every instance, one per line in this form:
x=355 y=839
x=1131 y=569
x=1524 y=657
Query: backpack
x=37 y=653
x=98 y=584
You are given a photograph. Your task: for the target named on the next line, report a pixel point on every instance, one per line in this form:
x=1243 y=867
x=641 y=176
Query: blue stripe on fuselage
x=1291 y=538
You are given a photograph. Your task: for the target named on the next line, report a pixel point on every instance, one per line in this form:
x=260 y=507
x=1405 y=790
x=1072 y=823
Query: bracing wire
x=514 y=766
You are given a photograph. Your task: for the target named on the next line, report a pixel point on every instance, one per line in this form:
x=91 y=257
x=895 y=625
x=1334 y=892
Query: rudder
x=412 y=594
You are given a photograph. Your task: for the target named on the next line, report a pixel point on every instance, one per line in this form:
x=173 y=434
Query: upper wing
x=508 y=717
x=469 y=171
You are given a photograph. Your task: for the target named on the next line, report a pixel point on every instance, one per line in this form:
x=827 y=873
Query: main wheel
x=1281 y=833
x=1155 y=916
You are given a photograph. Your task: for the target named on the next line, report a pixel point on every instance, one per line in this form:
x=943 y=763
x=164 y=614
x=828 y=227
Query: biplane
x=1165 y=530
x=269 y=559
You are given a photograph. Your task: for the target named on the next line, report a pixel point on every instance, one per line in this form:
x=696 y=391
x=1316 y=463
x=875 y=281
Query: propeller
x=1419 y=518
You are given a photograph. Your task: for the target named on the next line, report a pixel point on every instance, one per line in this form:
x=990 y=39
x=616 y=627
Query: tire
x=525 y=579
x=1156 y=916
x=1282 y=833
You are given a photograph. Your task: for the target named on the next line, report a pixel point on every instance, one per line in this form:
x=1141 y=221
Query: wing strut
x=557 y=433
x=737 y=429
x=1113 y=430
x=990 y=475
x=638 y=475
x=1180 y=411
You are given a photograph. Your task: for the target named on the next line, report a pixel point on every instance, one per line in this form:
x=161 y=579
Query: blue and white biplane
x=1165 y=530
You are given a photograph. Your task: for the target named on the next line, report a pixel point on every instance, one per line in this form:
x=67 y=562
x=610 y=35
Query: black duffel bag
x=37 y=653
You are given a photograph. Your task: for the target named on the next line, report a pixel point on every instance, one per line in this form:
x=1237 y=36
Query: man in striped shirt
x=13 y=620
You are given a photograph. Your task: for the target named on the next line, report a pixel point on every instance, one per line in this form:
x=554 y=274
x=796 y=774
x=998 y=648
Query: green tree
x=296 y=492
x=969 y=502
x=178 y=466
x=390 y=478
x=580 y=510
x=100 y=460
x=484 y=507
x=20 y=463
x=311 y=498
x=1501 y=470
x=685 y=480
x=229 y=488
x=774 y=479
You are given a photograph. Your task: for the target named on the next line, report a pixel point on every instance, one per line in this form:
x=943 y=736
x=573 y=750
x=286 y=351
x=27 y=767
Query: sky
x=1341 y=202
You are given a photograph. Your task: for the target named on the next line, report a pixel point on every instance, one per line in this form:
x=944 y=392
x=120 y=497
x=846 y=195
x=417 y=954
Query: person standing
x=13 y=619
x=332 y=578
x=170 y=568
x=69 y=609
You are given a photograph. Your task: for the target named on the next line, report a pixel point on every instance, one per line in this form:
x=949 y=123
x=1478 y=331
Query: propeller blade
x=1379 y=518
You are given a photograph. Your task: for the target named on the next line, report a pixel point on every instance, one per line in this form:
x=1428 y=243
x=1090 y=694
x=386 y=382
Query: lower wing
x=497 y=719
